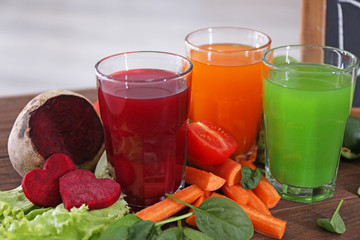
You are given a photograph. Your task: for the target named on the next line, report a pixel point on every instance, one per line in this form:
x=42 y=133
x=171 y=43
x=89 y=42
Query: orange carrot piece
x=247 y=163
x=229 y=170
x=96 y=106
x=205 y=180
x=267 y=193
x=168 y=207
x=207 y=194
x=265 y=224
x=236 y=193
x=215 y=194
x=256 y=203
x=191 y=220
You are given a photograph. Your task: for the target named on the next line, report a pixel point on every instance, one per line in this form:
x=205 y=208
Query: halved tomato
x=209 y=143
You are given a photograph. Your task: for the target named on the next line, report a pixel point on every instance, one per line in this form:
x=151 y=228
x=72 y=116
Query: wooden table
x=301 y=218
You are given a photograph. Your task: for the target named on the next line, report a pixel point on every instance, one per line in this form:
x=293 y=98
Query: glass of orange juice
x=227 y=81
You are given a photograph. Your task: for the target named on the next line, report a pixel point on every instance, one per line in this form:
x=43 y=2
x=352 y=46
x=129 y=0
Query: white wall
x=49 y=44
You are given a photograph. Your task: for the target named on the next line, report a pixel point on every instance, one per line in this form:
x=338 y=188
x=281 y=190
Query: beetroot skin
x=56 y=121
x=41 y=186
x=82 y=187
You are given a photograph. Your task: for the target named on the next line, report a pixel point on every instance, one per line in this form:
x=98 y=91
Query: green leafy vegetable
x=192 y=234
x=20 y=219
x=131 y=227
x=173 y=233
x=174 y=219
x=143 y=230
x=14 y=205
x=335 y=224
x=221 y=218
x=217 y=218
x=119 y=230
x=250 y=178
x=102 y=169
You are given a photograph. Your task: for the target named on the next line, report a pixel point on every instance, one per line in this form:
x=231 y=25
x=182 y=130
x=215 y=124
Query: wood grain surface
x=301 y=218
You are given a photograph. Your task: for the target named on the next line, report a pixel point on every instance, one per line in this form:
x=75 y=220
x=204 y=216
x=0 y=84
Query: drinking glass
x=227 y=82
x=308 y=92
x=144 y=102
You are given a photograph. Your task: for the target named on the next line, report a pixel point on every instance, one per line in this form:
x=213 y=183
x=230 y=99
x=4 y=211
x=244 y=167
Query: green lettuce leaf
x=102 y=168
x=14 y=205
x=20 y=219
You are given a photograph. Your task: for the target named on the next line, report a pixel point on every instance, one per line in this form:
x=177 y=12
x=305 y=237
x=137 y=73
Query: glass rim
x=107 y=77
x=254 y=49
x=284 y=68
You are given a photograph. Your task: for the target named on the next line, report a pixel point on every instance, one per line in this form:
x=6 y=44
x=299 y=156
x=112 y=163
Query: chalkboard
x=343 y=31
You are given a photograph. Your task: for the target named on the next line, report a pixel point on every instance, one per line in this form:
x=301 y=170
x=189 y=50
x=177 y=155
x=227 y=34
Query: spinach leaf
x=193 y=234
x=335 y=224
x=173 y=233
x=174 y=219
x=119 y=229
x=143 y=230
x=250 y=178
x=221 y=218
x=180 y=233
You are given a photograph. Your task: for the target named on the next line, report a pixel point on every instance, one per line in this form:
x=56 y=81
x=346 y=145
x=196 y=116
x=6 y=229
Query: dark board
x=343 y=30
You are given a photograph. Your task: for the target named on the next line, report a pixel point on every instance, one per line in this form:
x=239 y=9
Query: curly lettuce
x=20 y=219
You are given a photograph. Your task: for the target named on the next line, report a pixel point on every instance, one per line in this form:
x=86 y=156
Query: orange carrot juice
x=227 y=89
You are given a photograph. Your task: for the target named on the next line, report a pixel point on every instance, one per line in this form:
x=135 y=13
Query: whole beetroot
x=56 y=121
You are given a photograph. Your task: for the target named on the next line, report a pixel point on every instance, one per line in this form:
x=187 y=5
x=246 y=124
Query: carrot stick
x=168 y=207
x=236 y=193
x=265 y=224
x=191 y=220
x=247 y=163
x=215 y=194
x=267 y=193
x=229 y=170
x=96 y=106
x=205 y=180
x=256 y=203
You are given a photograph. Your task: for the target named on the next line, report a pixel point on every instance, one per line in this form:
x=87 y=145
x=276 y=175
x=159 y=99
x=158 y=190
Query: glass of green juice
x=307 y=97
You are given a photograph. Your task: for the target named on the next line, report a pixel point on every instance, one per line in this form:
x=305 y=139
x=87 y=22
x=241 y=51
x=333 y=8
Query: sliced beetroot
x=56 y=121
x=82 y=187
x=41 y=186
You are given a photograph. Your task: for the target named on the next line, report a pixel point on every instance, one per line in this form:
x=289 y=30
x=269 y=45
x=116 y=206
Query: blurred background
x=54 y=44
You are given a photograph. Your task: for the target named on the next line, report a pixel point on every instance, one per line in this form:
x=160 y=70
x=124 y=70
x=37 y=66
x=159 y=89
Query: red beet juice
x=145 y=125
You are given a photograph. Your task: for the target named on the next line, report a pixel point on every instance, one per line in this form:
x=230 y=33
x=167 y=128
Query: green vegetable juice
x=305 y=116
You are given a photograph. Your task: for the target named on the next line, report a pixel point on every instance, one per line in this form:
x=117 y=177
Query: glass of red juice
x=144 y=102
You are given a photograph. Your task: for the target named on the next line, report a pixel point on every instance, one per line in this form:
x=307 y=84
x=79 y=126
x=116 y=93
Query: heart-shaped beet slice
x=41 y=186
x=82 y=187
